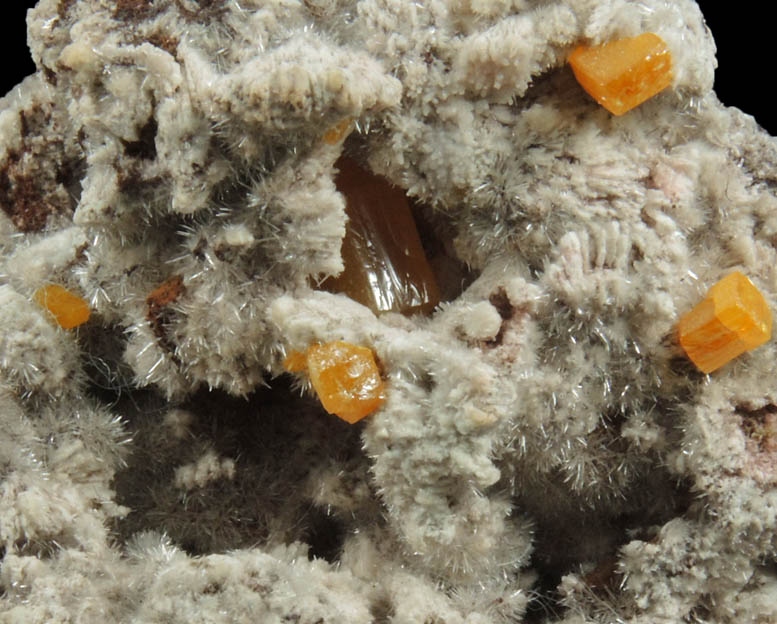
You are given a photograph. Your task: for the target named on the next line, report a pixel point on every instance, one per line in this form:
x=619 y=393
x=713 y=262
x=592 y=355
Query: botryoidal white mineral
x=545 y=453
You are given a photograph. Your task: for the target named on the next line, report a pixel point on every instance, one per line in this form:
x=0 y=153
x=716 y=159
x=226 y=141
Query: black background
x=745 y=76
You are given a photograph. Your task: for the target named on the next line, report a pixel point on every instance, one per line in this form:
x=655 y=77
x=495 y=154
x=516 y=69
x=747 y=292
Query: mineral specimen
x=68 y=310
x=544 y=452
x=733 y=318
x=385 y=265
x=344 y=376
x=624 y=73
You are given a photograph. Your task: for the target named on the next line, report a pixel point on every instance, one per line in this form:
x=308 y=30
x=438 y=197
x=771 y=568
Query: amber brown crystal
x=385 y=265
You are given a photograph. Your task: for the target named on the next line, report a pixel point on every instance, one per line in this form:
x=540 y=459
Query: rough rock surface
x=546 y=451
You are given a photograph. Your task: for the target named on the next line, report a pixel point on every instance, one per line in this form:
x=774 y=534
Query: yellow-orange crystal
x=296 y=362
x=732 y=319
x=344 y=376
x=68 y=310
x=338 y=132
x=624 y=73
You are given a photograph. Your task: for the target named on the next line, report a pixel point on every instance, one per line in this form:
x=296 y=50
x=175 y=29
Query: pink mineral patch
x=760 y=427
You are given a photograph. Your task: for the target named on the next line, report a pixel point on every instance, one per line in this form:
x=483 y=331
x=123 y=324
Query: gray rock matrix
x=546 y=452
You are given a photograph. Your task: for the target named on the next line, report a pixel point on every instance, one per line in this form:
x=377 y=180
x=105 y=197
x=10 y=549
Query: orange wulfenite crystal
x=68 y=310
x=296 y=362
x=338 y=132
x=344 y=376
x=732 y=319
x=622 y=74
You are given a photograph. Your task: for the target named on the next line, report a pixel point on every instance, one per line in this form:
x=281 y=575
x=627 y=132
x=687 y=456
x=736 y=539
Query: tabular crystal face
x=344 y=376
x=68 y=310
x=732 y=319
x=385 y=265
x=624 y=73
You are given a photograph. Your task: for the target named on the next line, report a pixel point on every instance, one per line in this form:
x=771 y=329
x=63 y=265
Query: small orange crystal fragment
x=732 y=319
x=68 y=310
x=338 y=132
x=344 y=376
x=624 y=73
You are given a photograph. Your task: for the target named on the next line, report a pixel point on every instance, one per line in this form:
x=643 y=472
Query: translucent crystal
x=624 y=73
x=732 y=319
x=385 y=265
x=338 y=132
x=68 y=310
x=344 y=376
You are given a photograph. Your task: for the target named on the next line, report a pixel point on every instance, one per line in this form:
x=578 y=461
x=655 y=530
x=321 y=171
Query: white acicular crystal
x=205 y=470
x=544 y=450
